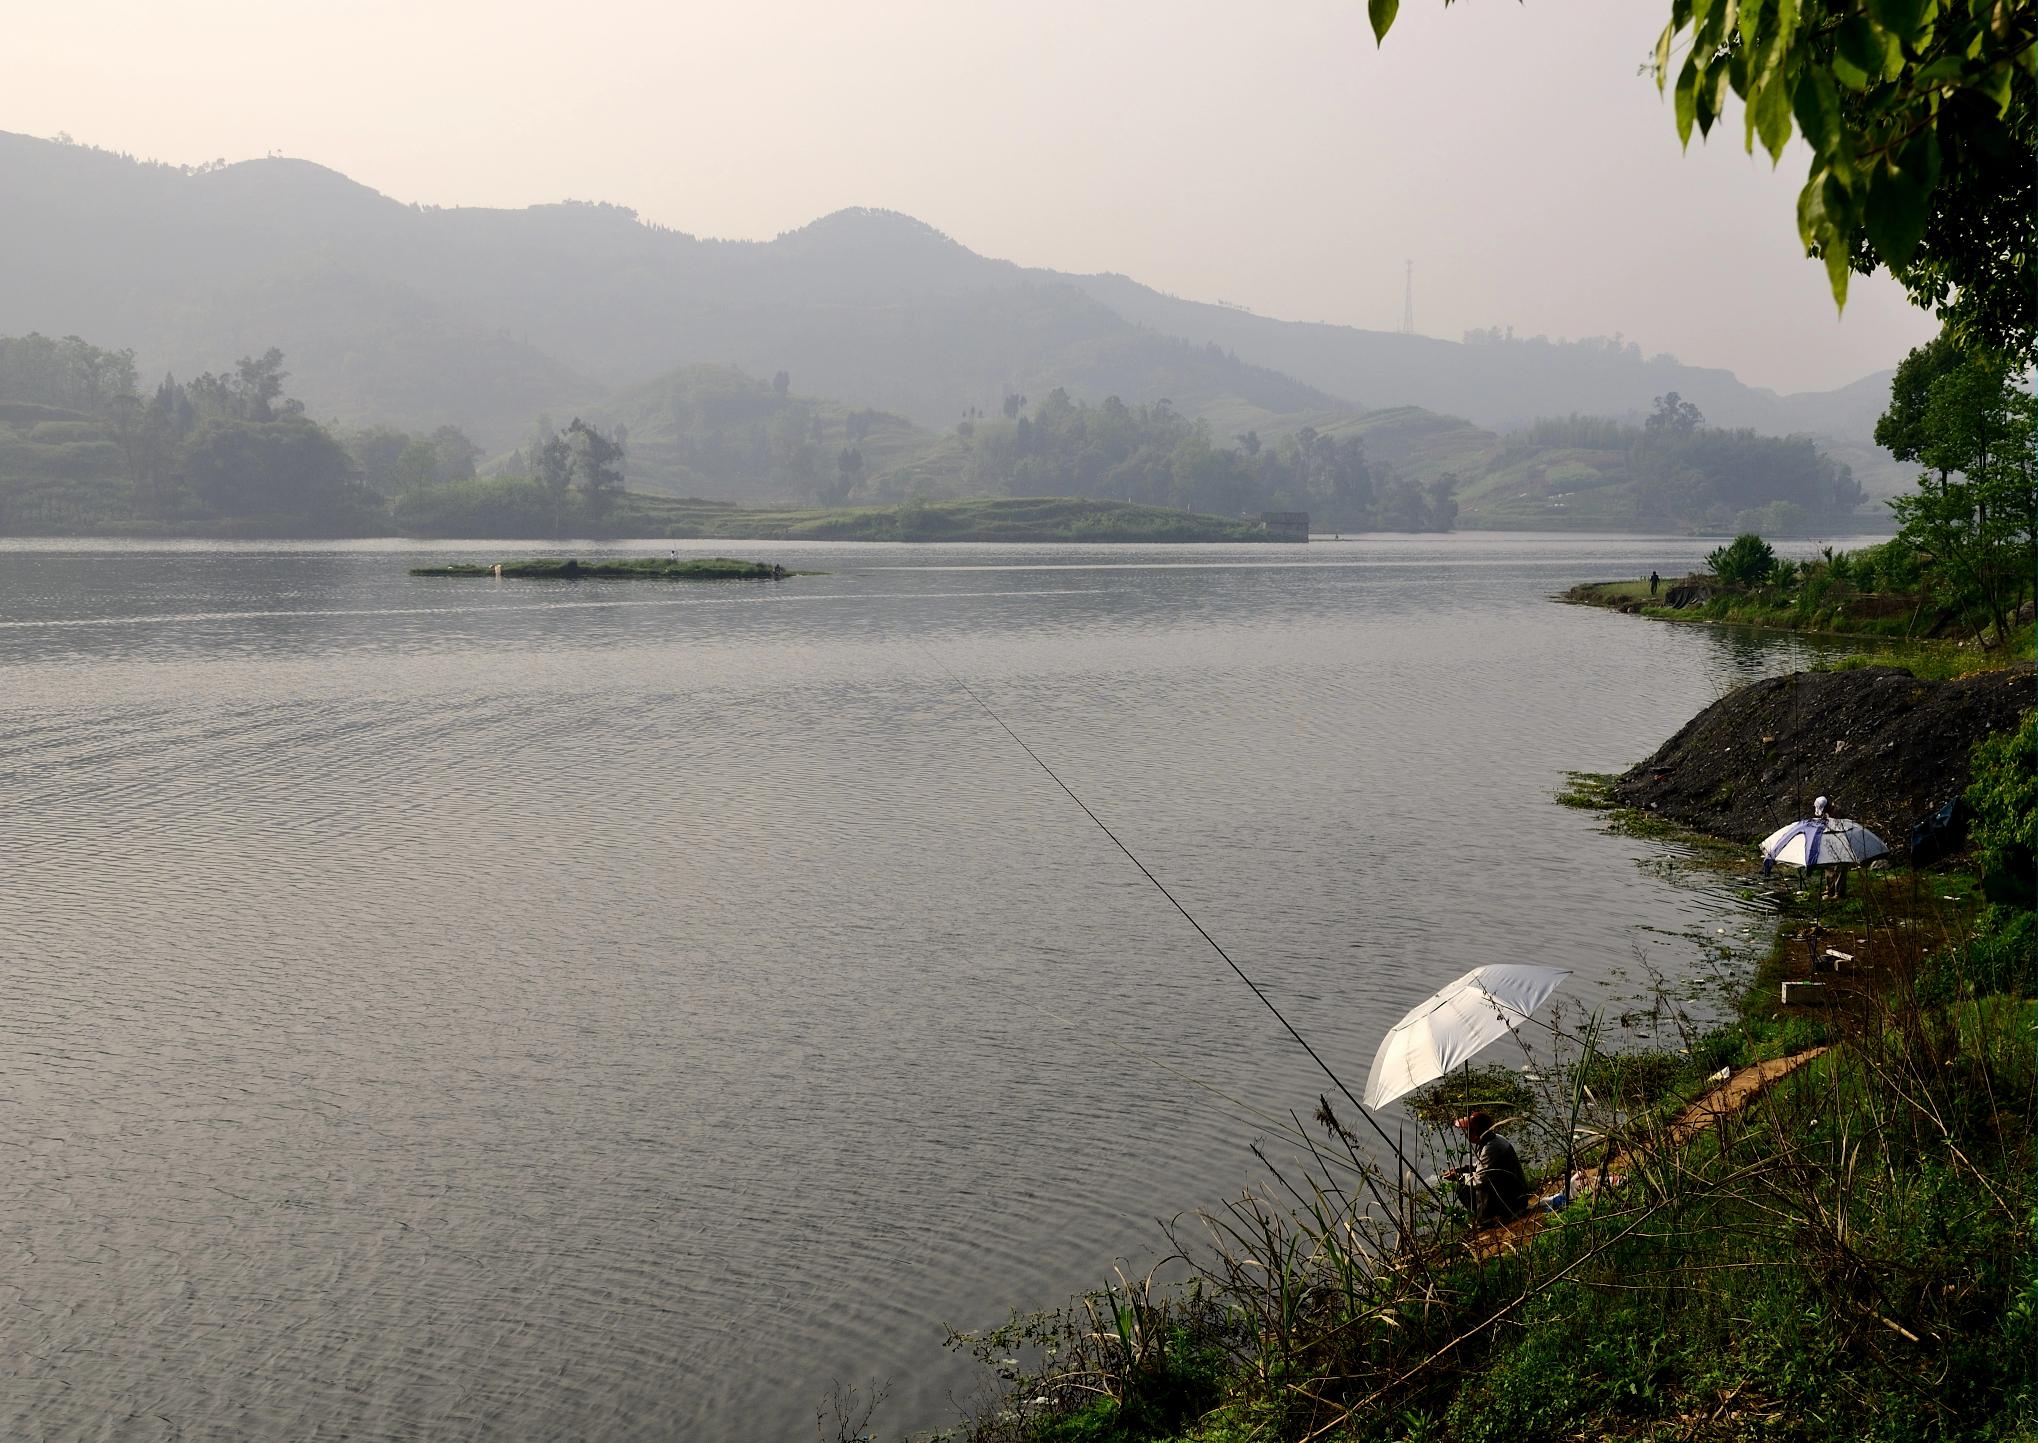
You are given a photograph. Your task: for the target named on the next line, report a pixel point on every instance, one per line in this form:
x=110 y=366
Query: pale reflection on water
x=517 y=1010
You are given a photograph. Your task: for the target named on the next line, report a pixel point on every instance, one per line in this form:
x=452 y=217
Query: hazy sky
x=1260 y=152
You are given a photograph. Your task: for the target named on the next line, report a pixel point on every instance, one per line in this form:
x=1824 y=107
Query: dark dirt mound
x=1885 y=746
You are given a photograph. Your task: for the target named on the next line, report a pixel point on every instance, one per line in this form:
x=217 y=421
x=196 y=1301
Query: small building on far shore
x=1286 y=525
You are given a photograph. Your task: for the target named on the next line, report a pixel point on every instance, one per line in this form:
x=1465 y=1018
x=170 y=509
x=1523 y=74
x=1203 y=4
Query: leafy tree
x=1673 y=416
x=259 y=384
x=417 y=465
x=552 y=465
x=1919 y=118
x=376 y=451
x=1443 y=505
x=392 y=462
x=1975 y=512
x=69 y=373
x=1207 y=478
x=1747 y=560
x=598 y=462
x=454 y=454
x=1900 y=430
x=289 y=467
x=148 y=443
x=848 y=471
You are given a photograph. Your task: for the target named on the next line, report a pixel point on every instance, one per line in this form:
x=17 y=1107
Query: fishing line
x=1215 y=946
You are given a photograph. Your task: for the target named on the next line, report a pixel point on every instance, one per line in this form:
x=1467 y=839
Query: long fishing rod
x=1257 y=991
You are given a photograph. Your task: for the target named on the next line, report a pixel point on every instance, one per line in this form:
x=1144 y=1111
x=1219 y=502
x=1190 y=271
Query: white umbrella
x=1821 y=842
x=1439 y=1034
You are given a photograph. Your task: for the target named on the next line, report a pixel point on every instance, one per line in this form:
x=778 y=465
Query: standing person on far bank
x=1493 y=1189
x=1654 y=582
x=1835 y=879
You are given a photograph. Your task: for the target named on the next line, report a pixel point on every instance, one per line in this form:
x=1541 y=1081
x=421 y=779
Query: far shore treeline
x=87 y=448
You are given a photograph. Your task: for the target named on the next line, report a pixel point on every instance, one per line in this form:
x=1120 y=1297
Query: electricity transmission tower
x=1408 y=303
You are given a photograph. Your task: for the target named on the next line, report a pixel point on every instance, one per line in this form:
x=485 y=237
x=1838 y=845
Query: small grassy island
x=636 y=568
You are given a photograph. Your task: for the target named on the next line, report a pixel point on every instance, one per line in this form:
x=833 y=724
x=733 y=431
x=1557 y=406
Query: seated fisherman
x=1494 y=1188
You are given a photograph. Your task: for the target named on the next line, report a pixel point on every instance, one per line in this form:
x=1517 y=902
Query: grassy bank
x=1844 y=1253
x=1900 y=629
x=1880 y=616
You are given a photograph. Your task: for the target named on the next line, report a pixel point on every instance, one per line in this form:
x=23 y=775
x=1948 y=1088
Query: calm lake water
x=519 y=1010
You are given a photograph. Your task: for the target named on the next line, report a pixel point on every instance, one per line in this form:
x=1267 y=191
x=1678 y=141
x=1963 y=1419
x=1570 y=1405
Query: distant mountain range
x=421 y=316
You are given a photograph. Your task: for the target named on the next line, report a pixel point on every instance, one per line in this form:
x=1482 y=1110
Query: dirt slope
x=1885 y=746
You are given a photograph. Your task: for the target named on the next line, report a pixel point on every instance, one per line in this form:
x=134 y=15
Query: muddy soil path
x=1715 y=1107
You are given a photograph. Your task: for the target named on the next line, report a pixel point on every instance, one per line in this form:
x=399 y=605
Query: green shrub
x=1721 y=1047
x=1747 y=560
x=2004 y=796
x=1635 y=1079
x=1997 y=959
x=1495 y=1089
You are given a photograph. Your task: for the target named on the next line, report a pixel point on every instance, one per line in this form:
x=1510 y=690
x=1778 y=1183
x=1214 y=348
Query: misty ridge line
x=865 y=359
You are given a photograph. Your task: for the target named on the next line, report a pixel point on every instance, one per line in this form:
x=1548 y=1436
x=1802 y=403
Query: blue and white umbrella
x=1821 y=842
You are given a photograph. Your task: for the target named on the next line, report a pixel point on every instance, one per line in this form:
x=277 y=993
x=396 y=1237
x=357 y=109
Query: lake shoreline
x=1324 y=1317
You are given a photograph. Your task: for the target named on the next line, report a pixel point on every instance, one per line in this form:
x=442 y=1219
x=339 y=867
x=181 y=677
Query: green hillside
x=419 y=316
x=1584 y=474
x=713 y=431
x=82 y=449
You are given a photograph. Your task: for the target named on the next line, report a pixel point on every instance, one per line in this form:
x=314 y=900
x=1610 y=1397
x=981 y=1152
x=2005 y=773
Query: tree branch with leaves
x=1918 y=115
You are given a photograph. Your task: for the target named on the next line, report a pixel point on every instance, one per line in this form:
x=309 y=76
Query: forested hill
x=422 y=316
x=484 y=317
x=85 y=446
x=1495 y=378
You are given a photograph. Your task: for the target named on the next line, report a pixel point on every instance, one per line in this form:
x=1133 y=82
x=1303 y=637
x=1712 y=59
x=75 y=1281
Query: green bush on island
x=1748 y=561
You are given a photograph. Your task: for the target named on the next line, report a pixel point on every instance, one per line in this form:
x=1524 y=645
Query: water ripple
x=578 y=1014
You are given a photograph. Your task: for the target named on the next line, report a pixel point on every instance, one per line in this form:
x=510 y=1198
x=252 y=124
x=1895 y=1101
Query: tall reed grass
x=1848 y=1255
